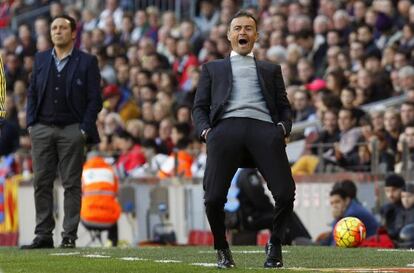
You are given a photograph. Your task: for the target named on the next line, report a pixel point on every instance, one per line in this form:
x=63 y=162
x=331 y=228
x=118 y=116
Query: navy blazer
x=214 y=89
x=83 y=92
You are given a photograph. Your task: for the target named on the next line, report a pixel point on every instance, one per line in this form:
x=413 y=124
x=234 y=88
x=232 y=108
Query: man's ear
x=228 y=35
x=257 y=37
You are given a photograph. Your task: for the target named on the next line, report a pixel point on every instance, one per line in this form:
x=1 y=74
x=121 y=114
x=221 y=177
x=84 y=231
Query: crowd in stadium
x=336 y=56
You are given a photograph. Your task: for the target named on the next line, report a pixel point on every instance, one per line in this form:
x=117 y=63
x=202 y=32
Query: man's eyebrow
x=240 y=25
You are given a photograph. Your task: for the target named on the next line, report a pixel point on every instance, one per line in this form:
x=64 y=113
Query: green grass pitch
x=201 y=259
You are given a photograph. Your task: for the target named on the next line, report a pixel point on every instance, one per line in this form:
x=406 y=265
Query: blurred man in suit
x=63 y=102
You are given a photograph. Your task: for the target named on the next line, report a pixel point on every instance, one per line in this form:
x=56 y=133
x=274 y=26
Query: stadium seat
x=200 y=238
x=263 y=237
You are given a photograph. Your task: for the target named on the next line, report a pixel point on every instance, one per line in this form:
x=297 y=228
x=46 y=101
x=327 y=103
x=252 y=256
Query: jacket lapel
x=72 y=65
x=229 y=79
x=45 y=72
x=260 y=74
x=268 y=96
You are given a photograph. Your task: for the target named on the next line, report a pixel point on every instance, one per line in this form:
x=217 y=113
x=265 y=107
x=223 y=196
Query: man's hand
x=205 y=133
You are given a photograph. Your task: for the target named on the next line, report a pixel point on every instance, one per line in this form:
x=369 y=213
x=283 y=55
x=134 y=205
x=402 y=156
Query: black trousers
x=228 y=144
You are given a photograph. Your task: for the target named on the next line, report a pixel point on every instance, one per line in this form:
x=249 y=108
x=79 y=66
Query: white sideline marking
x=96 y=256
x=395 y=250
x=204 y=264
x=133 y=259
x=353 y=270
x=167 y=261
x=64 y=254
x=239 y=251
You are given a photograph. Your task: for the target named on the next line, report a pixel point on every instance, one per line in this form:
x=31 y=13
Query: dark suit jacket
x=83 y=92
x=215 y=86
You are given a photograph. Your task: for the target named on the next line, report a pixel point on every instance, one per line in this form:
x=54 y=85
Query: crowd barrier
x=151 y=206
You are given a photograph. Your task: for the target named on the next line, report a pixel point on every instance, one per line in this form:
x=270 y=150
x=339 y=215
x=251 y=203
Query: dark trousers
x=57 y=150
x=228 y=144
x=112 y=231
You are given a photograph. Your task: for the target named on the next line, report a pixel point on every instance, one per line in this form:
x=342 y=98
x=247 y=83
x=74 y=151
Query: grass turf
x=180 y=259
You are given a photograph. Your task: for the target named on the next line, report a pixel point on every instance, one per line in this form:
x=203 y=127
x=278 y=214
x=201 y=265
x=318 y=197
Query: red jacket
x=131 y=159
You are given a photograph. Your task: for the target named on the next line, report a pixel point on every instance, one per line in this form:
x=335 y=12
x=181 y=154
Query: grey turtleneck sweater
x=246 y=99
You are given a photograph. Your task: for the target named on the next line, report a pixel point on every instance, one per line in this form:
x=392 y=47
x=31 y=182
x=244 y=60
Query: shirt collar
x=56 y=57
x=234 y=53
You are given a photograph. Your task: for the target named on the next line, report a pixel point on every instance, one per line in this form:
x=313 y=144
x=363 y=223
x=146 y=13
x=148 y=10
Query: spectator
x=112 y=10
x=348 y=96
x=347 y=146
x=131 y=156
x=305 y=71
x=180 y=160
x=406 y=78
x=89 y=20
x=405 y=147
x=189 y=33
x=377 y=120
x=185 y=61
x=164 y=141
x=208 y=17
x=394 y=184
x=382 y=81
x=365 y=36
x=344 y=206
x=407 y=113
x=392 y=126
x=118 y=102
x=405 y=216
x=302 y=106
x=141 y=26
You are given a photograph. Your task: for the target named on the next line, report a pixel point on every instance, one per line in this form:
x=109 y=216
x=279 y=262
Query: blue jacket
x=355 y=209
x=83 y=92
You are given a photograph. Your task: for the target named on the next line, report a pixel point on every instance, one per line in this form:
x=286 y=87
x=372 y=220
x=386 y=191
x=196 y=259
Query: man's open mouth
x=243 y=41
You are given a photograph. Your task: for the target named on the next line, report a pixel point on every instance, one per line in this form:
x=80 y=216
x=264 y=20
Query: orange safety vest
x=184 y=161
x=100 y=207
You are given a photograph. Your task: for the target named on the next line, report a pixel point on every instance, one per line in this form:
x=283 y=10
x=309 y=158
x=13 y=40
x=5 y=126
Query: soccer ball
x=349 y=232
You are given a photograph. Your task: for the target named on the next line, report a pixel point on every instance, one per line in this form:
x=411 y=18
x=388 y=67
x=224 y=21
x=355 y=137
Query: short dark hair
x=350 y=90
x=349 y=111
x=244 y=13
x=182 y=128
x=66 y=17
x=124 y=135
x=370 y=29
x=304 y=34
x=348 y=186
x=339 y=191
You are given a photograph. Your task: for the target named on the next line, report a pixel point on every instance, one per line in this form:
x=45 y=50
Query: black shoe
x=274 y=255
x=67 y=243
x=39 y=243
x=224 y=259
